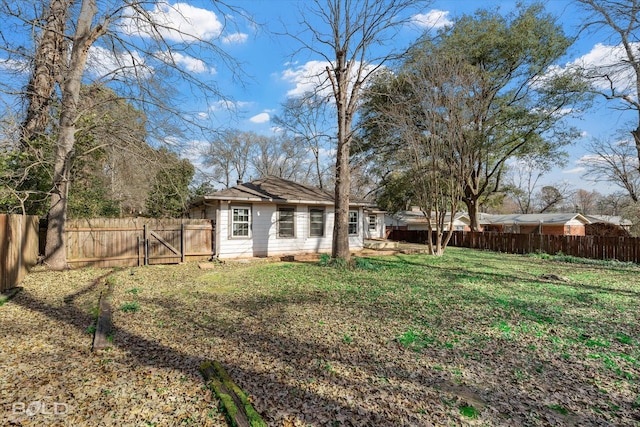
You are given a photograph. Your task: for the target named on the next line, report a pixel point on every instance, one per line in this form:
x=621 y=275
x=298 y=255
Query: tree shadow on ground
x=144 y=351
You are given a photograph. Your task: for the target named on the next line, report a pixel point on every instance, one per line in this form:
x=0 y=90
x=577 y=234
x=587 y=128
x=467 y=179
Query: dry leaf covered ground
x=471 y=338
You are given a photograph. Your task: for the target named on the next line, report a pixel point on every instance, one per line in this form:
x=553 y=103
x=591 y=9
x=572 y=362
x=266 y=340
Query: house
x=273 y=216
x=560 y=224
x=611 y=219
x=414 y=219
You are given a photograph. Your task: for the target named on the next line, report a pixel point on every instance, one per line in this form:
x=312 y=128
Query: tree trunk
x=472 y=209
x=636 y=138
x=46 y=70
x=340 y=83
x=340 y=245
x=55 y=249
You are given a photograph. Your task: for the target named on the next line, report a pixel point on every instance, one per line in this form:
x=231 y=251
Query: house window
x=286 y=224
x=353 y=223
x=372 y=223
x=316 y=222
x=240 y=222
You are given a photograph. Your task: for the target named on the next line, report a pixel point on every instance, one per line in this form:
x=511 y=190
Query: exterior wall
x=204 y=211
x=264 y=241
x=575 y=230
x=379 y=231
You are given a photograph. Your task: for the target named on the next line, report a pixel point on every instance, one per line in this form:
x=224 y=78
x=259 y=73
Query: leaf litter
x=317 y=346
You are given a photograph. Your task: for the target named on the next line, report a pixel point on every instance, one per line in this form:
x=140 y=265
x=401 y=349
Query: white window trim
x=293 y=208
x=324 y=222
x=231 y=222
x=373 y=225
x=356 y=222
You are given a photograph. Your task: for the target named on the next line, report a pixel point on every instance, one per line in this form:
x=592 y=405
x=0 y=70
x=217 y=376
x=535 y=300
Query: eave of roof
x=276 y=190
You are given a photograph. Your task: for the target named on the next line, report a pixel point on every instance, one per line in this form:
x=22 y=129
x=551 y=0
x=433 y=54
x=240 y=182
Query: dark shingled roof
x=274 y=189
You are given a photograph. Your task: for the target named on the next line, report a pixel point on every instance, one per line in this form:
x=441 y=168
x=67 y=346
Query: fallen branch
x=103 y=324
x=236 y=403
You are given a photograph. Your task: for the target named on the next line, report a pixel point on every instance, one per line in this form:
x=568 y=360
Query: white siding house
x=273 y=217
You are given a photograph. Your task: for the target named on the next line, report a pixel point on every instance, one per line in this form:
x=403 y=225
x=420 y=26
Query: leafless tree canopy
x=619 y=80
x=133 y=47
x=615 y=161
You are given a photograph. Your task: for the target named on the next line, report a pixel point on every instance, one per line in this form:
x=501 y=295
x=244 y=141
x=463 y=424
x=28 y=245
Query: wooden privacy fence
x=106 y=242
x=626 y=249
x=18 y=248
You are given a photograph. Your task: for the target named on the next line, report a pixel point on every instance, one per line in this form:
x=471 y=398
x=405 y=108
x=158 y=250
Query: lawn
x=470 y=338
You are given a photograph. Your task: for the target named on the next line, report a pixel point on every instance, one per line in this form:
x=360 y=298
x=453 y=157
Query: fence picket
x=18 y=248
x=624 y=249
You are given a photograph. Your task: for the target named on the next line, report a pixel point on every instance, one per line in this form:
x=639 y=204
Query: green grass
x=130 y=307
x=469 y=412
x=477 y=320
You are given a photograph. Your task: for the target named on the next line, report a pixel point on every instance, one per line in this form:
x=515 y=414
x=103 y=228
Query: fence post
x=182 y=245
x=145 y=236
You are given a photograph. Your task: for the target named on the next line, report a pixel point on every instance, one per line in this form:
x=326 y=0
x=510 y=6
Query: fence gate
x=162 y=245
x=127 y=242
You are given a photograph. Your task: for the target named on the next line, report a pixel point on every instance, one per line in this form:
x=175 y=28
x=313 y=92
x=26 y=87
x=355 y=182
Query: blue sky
x=274 y=68
x=274 y=73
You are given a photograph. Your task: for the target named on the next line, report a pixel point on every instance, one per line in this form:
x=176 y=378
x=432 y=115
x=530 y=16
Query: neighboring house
x=414 y=219
x=273 y=216
x=560 y=224
x=611 y=219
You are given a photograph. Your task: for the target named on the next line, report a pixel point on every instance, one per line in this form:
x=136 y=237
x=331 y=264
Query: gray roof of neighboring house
x=417 y=217
x=611 y=219
x=544 y=218
x=277 y=190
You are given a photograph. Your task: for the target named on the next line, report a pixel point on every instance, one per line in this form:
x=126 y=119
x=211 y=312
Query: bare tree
x=142 y=46
x=618 y=80
x=347 y=37
x=586 y=202
x=229 y=156
x=614 y=161
x=306 y=118
x=522 y=181
x=550 y=198
x=282 y=157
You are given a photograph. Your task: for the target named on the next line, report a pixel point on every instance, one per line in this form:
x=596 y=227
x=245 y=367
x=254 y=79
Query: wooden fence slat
x=18 y=248
x=131 y=242
x=624 y=249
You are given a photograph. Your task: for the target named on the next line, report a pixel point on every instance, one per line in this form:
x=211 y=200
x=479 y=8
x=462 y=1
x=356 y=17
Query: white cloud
x=432 y=20
x=308 y=77
x=180 y=22
x=327 y=153
x=14 y=65
x=103 y=62
x=587 y=159
x=228 y=105
x=260 y=118
x=606 y=60
x=312 y=77
x=235 y=38
x=190 y=63
x=574 y=171
x=195 y=150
